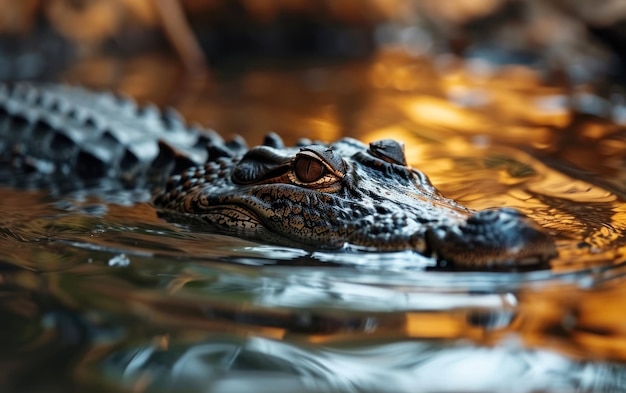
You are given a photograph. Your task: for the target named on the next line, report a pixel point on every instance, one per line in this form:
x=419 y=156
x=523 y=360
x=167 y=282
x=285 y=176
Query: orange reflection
x=438 y=112
x=434 y=325
x=585 y=323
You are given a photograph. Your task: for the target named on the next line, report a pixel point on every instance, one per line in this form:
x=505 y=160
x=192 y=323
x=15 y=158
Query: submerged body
x=319 y=196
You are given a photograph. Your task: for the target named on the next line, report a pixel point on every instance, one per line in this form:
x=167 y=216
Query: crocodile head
x=347 y=193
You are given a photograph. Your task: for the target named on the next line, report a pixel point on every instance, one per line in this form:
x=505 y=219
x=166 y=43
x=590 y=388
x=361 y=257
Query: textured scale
x=61 y=130
x=312 y=195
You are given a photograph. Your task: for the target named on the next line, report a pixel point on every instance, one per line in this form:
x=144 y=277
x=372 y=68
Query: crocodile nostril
x=483 y=217
x=502 y=216
x=510 y=211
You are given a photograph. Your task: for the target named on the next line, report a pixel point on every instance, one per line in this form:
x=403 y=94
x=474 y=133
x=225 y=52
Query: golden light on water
x=486 y=135
x=438 y=112
x=435 y=325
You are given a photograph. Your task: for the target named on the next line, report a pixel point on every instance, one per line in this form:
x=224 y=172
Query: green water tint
x=99 y=294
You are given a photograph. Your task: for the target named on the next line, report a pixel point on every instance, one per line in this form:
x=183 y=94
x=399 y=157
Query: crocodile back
x=68 y=135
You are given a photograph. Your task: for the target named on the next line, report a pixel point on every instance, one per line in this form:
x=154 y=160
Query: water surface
x=97 y=293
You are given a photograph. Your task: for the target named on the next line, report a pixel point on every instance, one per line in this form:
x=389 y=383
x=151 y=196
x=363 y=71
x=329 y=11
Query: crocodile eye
x=308 y=169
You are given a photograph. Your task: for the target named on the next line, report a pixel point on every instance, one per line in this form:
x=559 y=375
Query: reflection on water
x=228 y=364
x=97 y=293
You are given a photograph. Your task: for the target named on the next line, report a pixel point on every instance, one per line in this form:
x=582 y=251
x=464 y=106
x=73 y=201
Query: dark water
x=98 y=294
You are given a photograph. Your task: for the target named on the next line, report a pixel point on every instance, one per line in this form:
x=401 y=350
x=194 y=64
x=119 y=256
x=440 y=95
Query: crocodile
x=319 y=196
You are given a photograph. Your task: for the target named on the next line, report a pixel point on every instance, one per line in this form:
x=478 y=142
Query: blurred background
x=277 y=59
x=45 y=39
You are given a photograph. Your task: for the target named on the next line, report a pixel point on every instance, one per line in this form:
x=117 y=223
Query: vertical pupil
x=308 y=169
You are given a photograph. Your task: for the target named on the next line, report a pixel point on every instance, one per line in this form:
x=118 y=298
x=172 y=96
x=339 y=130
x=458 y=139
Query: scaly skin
x=327 y=196
x=312 y=195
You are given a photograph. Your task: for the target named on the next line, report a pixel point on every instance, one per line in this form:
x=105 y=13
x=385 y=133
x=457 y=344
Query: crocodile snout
x=493 y=238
